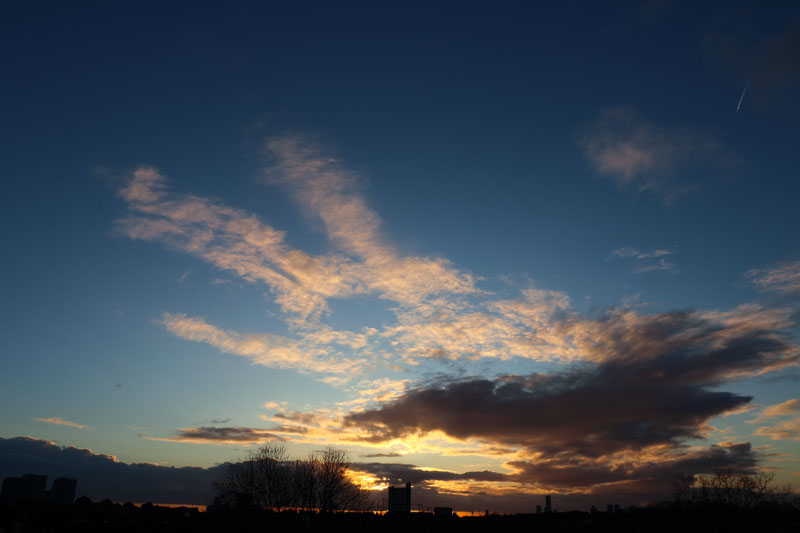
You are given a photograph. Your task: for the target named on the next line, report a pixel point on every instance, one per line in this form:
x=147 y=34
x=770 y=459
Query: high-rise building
x=63 y=491
x=12 y=490
x=547 y=507
x=33 y=487
x=28 y=488
x=400 y=499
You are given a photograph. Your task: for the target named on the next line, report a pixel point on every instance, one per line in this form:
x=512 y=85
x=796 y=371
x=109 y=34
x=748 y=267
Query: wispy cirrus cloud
x=635 y=153
x=61 y=422
x=324 y=188
x=240 y=243
x=628 y=251
x=782 y=277
x=774 y=411
x=654 y=260
x=362 y=263
x=785 y=430
x=234 y=241
x=269 y=349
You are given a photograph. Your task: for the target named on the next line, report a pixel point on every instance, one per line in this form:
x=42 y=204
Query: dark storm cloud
x=297 y=416
x=572 y=473
x=398 y=473
x=102 y=476
x=565 y=473
x=224 y=434
x=651 y=384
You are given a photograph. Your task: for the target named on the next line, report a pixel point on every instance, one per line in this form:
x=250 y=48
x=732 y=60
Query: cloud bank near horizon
x=102 y=476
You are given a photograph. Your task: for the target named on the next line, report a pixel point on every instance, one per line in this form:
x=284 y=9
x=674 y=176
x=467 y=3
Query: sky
x=498 y=251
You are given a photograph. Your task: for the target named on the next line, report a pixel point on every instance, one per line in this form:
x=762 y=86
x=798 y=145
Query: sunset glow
x=495 y=252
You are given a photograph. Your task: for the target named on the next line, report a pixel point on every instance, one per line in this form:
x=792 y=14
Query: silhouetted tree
x=266 y=479
x=335 y=490
x=260 y=480
x=744 y=491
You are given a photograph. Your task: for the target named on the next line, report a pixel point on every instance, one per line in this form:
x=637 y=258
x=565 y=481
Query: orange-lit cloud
x=60 y=422
x=668 y=362
x=786 y=430
x=572 y=430
x=326 y=189
x=782 y=409
x=265 y=349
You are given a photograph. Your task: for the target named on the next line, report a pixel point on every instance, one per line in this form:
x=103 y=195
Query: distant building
x=443 y=511
x=28 y=488
x=547 y=507
x=538 y=509
x=63 y=491
x=400 y=499
x=12 y=490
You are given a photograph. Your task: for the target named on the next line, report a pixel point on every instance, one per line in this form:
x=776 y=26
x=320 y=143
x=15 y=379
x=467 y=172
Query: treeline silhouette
x=267 y=479
x=726 y=489
x=85 y=516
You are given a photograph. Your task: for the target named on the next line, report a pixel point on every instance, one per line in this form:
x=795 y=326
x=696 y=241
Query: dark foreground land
x=107 y=516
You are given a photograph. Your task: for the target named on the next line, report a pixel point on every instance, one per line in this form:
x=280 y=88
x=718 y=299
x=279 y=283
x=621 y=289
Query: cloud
x=782 y=409
x=239 y=243
x=670 y=363
x=362 y=262
x=231 y=240
x=103 y=476
x=567 y=474
x=782 y=277
x=786 y=430
x=61 y=422
x=627 y=251
x=324 y=188
x=397 y=473
x=635 y=153
x=262 y=349
x=221 y=435
x=524 y=327
x=646 y=261
x=221 y=420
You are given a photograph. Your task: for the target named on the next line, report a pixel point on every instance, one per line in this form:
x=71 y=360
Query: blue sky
x=230 y=224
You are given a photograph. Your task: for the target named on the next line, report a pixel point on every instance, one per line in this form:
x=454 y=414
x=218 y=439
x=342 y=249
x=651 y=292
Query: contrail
x=742 y=97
